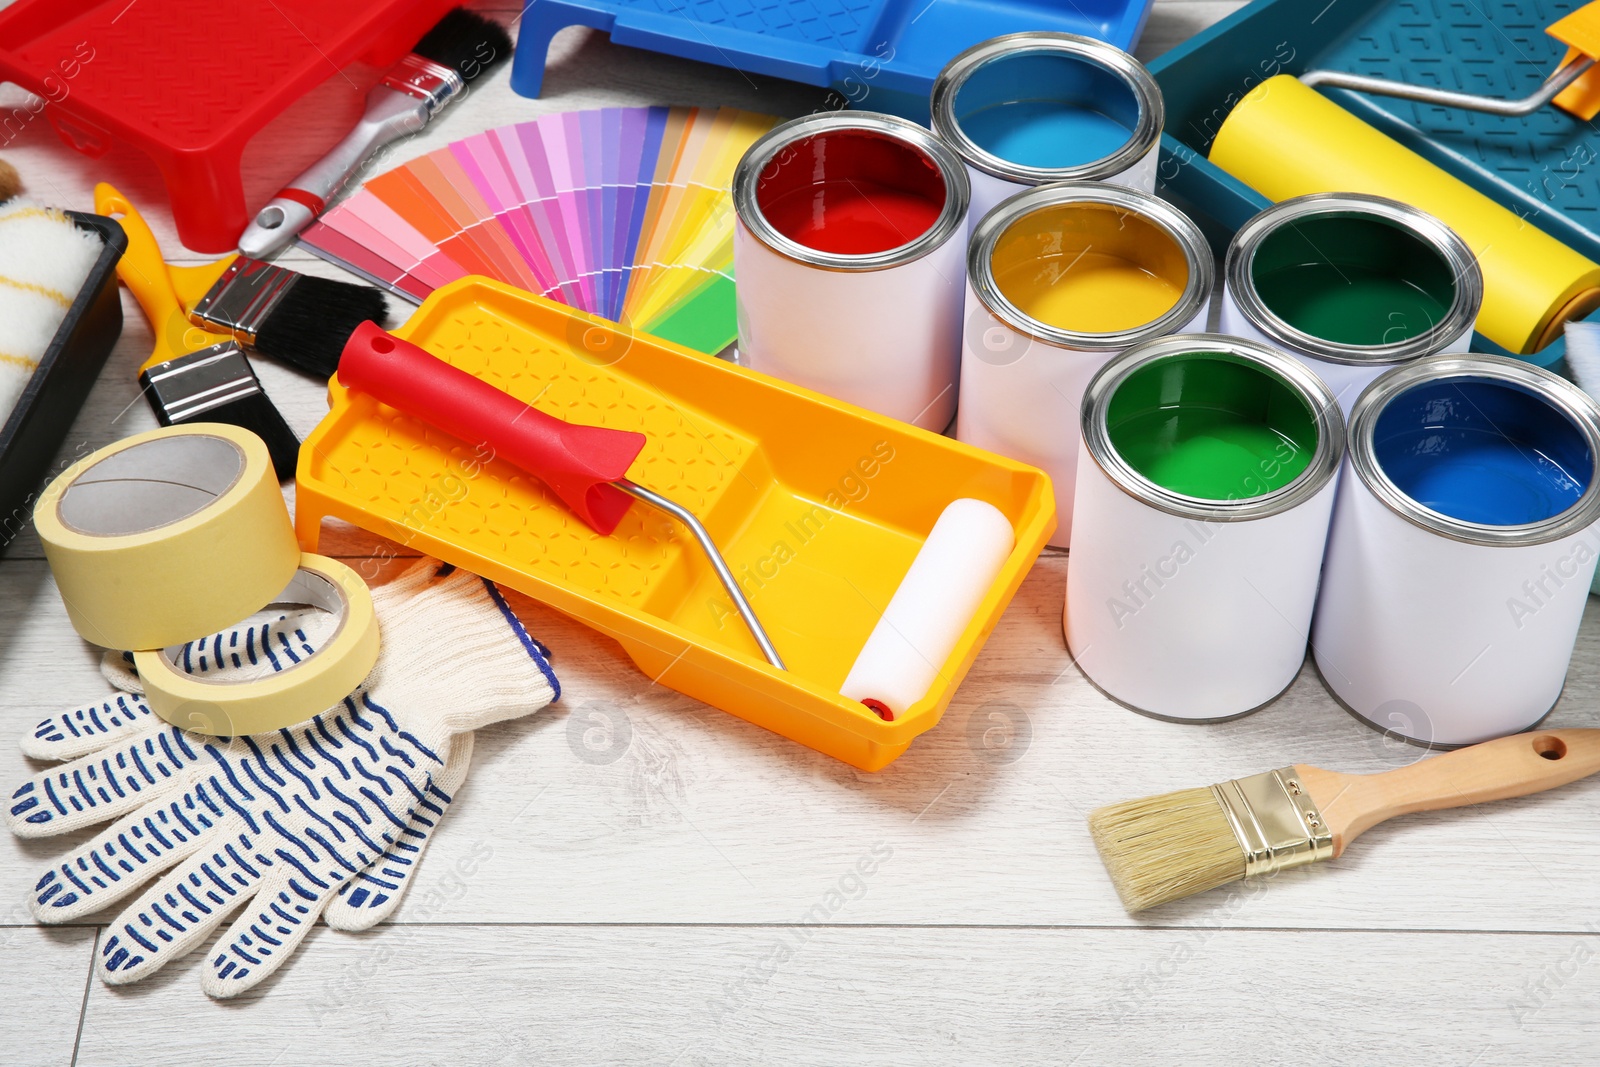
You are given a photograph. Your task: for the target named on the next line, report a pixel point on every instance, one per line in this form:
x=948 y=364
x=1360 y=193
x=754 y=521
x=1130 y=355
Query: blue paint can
x=1462 y=548
x=1037 y=108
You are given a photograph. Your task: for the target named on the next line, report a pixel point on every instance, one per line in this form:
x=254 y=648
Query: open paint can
x=1462 y=549
x=1036 y=108
x=849 y=257
x=1354 y=285
x=1060 y=279
x=1204 y=490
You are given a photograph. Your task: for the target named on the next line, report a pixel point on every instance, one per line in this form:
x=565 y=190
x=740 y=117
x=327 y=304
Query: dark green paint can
x=1352 y=285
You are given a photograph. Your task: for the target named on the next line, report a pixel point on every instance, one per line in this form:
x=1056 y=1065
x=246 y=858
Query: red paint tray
x=190 y=82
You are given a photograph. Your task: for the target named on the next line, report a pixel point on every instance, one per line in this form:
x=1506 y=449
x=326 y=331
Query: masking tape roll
x=229 y=708
x=1285 y=139
x=167 y=536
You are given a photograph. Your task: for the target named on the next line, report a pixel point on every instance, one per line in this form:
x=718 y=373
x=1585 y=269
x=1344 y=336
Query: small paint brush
x=192 y=374
x=1164 y=848
x=458 y=50
x=217 y=384
x=297 y=318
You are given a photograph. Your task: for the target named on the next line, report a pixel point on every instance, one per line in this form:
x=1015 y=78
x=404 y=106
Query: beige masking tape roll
x=229 y=708
x=168 y=536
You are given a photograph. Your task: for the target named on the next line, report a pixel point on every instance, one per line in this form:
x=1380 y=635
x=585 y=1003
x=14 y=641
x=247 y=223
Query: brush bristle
x=466 y=42
x=1163 y=848
x=261 y=417
x=316 y=317
x=217 y=384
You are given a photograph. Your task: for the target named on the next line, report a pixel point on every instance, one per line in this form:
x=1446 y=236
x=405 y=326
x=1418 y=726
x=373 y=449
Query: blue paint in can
x=1046 y=110
x=1486 y=452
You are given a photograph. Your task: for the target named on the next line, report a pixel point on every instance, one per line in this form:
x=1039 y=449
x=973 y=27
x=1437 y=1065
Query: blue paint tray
x=1539 y=166
x=881 y=55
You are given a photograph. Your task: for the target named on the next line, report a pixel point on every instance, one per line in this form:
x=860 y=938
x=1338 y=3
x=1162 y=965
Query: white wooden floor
x=640 y=900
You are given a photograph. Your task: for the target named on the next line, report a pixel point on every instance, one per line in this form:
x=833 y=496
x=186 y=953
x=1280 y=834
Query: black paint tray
x=32 y=434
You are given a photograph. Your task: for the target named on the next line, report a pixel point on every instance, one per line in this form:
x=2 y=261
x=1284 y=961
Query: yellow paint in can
x=1089 y=268
x=1285 y=139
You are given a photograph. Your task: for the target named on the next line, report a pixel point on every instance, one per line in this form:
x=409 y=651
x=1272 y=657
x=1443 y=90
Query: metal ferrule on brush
x=434 y=83
x=243 y=298
x=201 y=381
x=1276 y=821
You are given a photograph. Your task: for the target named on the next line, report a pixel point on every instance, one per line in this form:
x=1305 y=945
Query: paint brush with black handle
x=295 y=318
x=234 y=305
x=458 y=50
x=192 y=375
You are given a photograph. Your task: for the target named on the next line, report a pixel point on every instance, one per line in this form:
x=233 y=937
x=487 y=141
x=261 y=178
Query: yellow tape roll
x=168 y=536
x=315 y=684
x=1285 y=139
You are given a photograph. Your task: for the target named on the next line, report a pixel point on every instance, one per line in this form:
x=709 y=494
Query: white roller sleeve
x=44 y=259
x=933 y=605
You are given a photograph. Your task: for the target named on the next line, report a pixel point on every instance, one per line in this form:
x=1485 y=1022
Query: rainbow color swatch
x=623 y=212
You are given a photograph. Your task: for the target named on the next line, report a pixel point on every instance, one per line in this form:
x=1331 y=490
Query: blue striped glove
x=327 y=818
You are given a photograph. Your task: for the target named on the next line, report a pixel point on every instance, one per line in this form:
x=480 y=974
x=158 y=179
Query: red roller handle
x=578 y=463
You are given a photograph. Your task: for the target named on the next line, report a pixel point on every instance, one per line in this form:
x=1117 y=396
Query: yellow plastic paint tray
x=818 y=507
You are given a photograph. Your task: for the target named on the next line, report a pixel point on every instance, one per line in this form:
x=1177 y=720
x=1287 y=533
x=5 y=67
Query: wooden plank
x=44 y=973
x=833 y=996
x=577 y=905
x=627 y=802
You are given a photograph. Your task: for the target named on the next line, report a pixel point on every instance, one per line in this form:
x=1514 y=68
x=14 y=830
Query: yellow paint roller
x=1285 y=139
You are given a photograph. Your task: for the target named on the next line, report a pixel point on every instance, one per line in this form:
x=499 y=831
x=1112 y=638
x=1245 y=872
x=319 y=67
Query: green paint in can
x=1353 y=280
x=1208 y=426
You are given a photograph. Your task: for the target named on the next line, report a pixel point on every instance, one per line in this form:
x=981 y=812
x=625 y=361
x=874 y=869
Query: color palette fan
x=623 y=212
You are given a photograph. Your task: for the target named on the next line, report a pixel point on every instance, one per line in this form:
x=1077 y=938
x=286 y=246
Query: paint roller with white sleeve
x=938 y=597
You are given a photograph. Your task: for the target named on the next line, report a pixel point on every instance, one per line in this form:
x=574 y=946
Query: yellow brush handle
x=192 y=283
x=145 y=273
x=1495 y=770
x=1285 y=139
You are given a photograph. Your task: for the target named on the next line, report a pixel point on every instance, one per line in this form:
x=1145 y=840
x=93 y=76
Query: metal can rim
x=1566 y=397
x=1463 y=265
x=1177 y=225
x=1147 y=95
x=1325 y=457
x=951 y=219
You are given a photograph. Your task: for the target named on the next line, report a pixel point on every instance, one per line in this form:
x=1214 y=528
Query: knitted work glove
x=326 y=818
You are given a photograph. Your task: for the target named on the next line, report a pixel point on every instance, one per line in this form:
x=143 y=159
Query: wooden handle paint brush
x=1163 y=848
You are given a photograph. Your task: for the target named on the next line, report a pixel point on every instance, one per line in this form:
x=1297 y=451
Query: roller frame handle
x=390 y=115
x=578 y=463
x=1507 y=767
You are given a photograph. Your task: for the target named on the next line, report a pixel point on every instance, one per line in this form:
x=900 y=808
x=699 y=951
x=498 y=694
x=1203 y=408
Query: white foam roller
x=933 y=605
